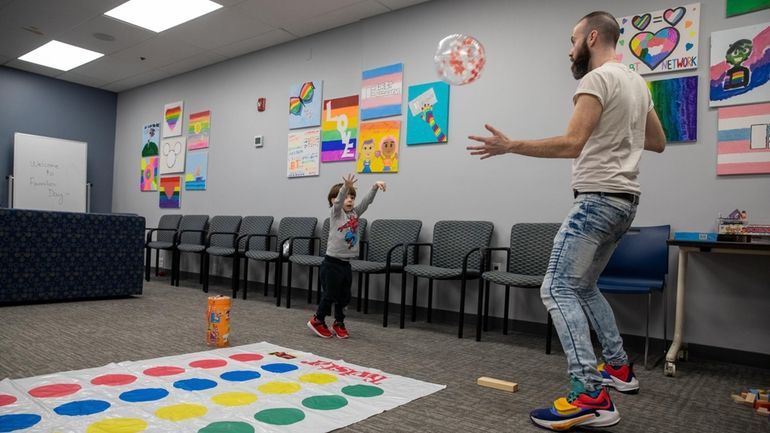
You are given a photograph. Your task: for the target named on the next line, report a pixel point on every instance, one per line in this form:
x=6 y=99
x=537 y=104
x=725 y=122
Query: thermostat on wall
x=258 y=141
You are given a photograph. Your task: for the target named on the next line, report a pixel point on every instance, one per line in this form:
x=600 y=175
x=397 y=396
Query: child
x=336 y=275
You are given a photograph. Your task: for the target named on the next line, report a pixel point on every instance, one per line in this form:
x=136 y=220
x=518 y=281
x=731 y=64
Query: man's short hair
x=605 y=24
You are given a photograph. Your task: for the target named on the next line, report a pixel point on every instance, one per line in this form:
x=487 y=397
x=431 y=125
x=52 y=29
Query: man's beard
x=581 y=61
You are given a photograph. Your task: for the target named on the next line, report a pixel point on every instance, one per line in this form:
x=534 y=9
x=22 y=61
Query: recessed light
x=161 y=15
x=59 y=55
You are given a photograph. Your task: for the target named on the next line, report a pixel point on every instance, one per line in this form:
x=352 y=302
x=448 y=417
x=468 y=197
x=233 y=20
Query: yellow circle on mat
x=279 y=388
x=179 y=412
x=318 y=378
x=118 y=425
x=234 y=398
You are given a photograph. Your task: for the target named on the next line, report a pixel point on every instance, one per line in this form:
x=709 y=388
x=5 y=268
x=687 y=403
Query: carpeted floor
x=45 y=338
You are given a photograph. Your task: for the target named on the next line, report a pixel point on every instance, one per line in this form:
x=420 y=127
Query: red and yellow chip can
x=218 y=318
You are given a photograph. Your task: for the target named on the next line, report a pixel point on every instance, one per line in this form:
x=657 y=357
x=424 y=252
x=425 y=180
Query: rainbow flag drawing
x=339 y=129
x=743 y=143
x=381 y=91
x=198 y=130
x=676 y=103
x=170 y=187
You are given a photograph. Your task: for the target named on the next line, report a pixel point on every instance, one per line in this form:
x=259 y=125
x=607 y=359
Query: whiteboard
x=49 y=173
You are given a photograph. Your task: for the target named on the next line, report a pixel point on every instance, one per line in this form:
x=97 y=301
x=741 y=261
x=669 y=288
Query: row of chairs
x=459 y=250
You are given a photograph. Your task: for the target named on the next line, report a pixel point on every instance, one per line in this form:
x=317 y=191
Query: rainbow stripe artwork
x=429 y=113
x=172 y=119
x=170 y=188
x=381 y=91
x=339 y=129
x=148 y=180
x=747 y=79
x=743 y=139
x=676 y=103
x=196 y=170
x=198 y=130
x=305 y=104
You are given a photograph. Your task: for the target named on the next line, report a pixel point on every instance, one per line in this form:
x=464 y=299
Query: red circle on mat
x=244 y=357
x=6 y=399
x=208 y=363
x=55 y=390
x=164 y=371
x=114 y=379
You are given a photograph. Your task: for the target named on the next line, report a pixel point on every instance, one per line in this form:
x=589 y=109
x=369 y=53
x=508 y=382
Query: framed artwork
x=170 y=189
x=150 y=139
x=148 y=180
x=304 y=153
x=305 y=104
x=740 y=66
x=676 y=103
x=196 y=170
x=172 y=152
x=378 y=151
x=339 y=129
x=172 y=119
x=743 y=140
x=428 y=120
x=198 y=130
x=381 y=91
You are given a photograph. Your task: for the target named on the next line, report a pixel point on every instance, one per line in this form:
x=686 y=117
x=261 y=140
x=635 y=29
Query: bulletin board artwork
x=743 y=139
x=172 y=153
x=740 y=66
x=660 y=41
x=148 y=180
x=173 y=115
x=304 y=153
x=378 y=149
x=170 y=190
x=150 y=139
x=305 y=104
x=381 y=91
x=428 y=121
x=676 y=104
x=738 y=7
x=196 y=170
x=339 y=129
x=198 y=128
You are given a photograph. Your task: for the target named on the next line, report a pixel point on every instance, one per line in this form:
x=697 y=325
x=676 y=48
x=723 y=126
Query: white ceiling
x=136 y=56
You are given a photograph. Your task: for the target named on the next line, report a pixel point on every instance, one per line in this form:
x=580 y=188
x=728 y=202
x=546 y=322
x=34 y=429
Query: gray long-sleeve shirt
x=343 y=226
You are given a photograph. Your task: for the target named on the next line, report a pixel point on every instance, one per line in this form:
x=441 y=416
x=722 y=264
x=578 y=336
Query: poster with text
x=381 y=91
x=740 y=66
x=304 y=153
x=150 y=139
x=428 y=120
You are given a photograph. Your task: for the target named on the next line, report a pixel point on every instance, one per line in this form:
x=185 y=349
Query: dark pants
x=336 y=279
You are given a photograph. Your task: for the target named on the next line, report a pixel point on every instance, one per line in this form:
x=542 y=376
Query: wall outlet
x=497 y=266
x=258 y=141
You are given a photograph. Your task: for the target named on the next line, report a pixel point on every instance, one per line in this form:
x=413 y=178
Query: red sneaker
x=319 y=328
x=621 y=378
x=339 y=329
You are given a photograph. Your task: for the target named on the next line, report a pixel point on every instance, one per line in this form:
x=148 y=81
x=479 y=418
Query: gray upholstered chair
x=189 y=239
x=454 y=254
x=221 y=241
x=254 y=232
x=164 y=240
x=526 y=264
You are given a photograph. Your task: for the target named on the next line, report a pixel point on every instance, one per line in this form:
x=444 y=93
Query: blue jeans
x=581 y=250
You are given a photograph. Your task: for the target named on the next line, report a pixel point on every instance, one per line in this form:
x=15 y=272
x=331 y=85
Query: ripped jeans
x=581 y=250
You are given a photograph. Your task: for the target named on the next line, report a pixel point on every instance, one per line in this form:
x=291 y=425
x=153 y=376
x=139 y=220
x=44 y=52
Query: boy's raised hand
x=380 y=184
x=350 y=181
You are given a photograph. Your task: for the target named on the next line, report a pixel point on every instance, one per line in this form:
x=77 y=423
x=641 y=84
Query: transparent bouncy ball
x=459 y=59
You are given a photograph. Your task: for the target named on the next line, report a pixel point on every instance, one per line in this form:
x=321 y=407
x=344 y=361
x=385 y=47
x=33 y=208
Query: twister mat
x=246 y=389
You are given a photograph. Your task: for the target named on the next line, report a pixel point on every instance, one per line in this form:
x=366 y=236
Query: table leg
x=670 y=367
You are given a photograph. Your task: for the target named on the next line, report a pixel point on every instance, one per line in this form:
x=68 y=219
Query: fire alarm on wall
x=258 y=141
x=261 y=104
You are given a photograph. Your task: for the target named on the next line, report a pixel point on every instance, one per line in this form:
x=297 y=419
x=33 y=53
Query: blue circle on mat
x=279 y=367
x=143 y=394
x=18 y=421
x=82 y=407
x=240 y=375
x=195 y=384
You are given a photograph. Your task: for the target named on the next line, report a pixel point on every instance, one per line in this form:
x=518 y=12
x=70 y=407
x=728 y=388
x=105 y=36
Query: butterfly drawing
x=297 y=103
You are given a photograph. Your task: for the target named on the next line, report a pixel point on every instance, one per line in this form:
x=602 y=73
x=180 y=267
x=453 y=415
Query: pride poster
x=743 y=143
x=305 y=104
x=740 y=66
x=172 y=152
x=304 y=153
x=738 y=7
x=339 y=129
x=381 y=91
x=378 y=151
x=676 y=103
x=428 y=120
x=170 y=188
x=150 y=139
x=661 y=41
x=148 y=180
x=198 y=130
x=196 y=170
x=172 y=119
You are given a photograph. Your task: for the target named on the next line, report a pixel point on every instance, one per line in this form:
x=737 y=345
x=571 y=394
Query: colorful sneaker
x=319 y=328
x=579 y=408
x=621 y=378
x=339 y=329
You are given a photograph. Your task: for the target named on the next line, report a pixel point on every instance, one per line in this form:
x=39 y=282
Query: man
x=612 y=123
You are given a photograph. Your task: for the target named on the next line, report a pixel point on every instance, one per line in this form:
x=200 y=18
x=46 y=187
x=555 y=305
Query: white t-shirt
x=610 y=158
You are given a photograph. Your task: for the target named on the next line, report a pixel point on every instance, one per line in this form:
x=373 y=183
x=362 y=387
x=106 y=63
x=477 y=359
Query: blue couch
x=46 y=255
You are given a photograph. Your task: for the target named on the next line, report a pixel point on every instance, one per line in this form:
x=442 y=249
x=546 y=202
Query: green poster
x=737 y=7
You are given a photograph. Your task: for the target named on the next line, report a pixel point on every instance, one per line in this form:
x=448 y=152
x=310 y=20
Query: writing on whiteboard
x=45 y=180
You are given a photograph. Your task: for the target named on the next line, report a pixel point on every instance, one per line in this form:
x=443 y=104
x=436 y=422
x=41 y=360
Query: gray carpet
x=46 y=338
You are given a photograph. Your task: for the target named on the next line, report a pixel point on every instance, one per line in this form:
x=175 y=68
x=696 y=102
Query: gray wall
x=525 y=90
x=39 y=105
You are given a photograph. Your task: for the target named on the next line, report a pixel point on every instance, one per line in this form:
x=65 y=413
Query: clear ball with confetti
x=459 y=59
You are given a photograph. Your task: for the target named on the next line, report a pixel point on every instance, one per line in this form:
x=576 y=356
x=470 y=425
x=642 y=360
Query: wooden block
x=765 y=397
x=737 y=398
x=498 y=384
x=763 y=411
x=761 y=403
x=750 y=398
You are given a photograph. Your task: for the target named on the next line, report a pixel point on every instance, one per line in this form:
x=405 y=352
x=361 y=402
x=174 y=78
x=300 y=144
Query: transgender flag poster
x=744 y=140
x=381 y=91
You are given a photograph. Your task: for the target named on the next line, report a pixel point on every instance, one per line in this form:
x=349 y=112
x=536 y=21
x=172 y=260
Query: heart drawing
x=172 y=116
x=641 y=21
x=673 y=16
x=652 y=49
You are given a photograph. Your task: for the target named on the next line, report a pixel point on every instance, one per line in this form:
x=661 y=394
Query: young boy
x=336 y=275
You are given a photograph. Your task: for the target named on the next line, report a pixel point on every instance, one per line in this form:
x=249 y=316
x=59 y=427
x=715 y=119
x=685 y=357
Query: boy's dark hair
x=336 y=190
x=604 y=23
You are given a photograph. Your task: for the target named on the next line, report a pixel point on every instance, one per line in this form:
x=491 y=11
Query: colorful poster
x=743 y=143
x=304 y=153
x=196 y=170
x=738 y=7
x=148 y=179
x=428 y=120
x=381 y=91
x=339 y=130
x=305 y=104
x=198 y=130
x=378 y=151
x=150 y=138
x=740 y=66
x=172 y=119
x=172 y=151
x=660 y=41
x=676 y=103
x=170 y=189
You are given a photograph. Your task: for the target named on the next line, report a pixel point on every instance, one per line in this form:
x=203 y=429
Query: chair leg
x=360 y=291
x=506 y=308
x=245 y=276
x=647 y=330
x=278 y=282
x=414 y=299
x=234 y=279
x=366 y=294
x=157 y=262
x=403 y=298
x=665 y=324
x=310 y=285
x=267 y=275
x=176 y=261
x=147 y=262
x=288 y=286
x=478 y=307
x=462 y=308
x=205 y=263
x=386 y=299
x=548 y=334
x=200 y=270
x=486 y=305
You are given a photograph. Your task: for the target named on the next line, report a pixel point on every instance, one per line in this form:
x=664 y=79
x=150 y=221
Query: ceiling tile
x=50 y=18
x=273 y=37
x=33 y=67
x=137 y=80
x=284 y=12
x=126 y=35
x=199 y=60
x=15 y=41
x=82 y=79
x=398 y=4
x=337 y=18
x=221 y=27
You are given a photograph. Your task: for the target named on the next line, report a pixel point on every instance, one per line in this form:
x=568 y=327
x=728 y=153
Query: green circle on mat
x=362 y=391
x=280 y=416
x=227 y=427
x=325 y=402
